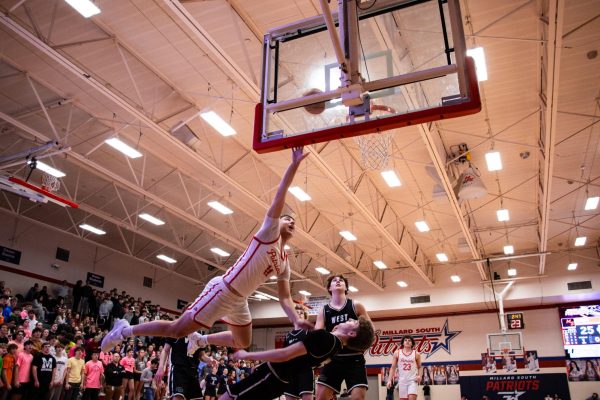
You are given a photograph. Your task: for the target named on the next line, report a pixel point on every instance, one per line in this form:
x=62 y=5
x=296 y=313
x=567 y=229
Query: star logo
x=443 y=342
x=511 y=395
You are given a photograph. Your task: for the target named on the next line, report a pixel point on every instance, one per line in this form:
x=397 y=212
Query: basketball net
x=375 y=149
x=50 y=182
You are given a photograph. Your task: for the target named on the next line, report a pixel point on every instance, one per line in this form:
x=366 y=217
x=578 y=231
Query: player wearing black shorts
x=348 y=365
x=210 y=389
x=302 y=386
x=271 y=378
x=183 y=374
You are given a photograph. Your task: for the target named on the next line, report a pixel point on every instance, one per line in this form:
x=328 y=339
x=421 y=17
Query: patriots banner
x=515 y=387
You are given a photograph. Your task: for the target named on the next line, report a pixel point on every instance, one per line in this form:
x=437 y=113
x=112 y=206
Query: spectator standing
x=73 y=376
x=128 y=363
x=147 y=379
x=139 y=366
x=92 y=377
x=22 y=374
x=210 y=385
x=8 y=367
x=56 y=388
x=42 y=371
x=427 y=392
x=77 y=295
x=113 y=374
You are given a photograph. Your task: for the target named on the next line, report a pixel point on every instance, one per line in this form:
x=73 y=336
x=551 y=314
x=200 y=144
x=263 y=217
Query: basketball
x=316 y=108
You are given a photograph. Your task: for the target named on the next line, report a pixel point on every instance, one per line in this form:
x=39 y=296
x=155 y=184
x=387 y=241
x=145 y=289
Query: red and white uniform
x=263 y=258
x=407 y=373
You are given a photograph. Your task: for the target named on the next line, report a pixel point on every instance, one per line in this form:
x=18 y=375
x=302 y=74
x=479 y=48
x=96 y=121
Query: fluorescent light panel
x=580 y=241
x=503 y=215
x=442 y=257
x=512 y=272
x=352 y=289
x=348 y=235
x=152 y=219
x=48 y=169
x=220 y=252
x=92 y=229
x=299 y=193
x=391 y=178
x=261 y=296
x=493 y=161
x=322 y=270
x=84 y=7
x=509 y=249
x=380 y=264
x=218 y=123
x=480 y=66
x=267 y=295
x=123 y=147
x=273 y=277
x=422 y=226
x=402 y=284
x=286 y=247
x=166 y=259
x=455 y=278
x=220 y=207
x=572 y=266
x=592 y=203
x=304 y=292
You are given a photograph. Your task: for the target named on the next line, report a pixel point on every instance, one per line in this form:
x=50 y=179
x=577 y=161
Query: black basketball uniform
x=270 y=380
x=348 y=365
x=211 y=381
x=183 y=372
x=303 y=380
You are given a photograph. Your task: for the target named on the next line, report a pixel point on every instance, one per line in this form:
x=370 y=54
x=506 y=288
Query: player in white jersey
x=408 y=362
x=225 y=297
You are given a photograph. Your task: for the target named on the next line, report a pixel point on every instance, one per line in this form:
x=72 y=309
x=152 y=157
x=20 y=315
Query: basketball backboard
x=32 y=192
x=407 y=58
x=509 y=343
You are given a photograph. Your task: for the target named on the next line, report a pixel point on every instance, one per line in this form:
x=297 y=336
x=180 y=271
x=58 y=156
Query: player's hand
x=36 y=384
x=298 y=155
x=304 y=324
x=418 y=380
x=239 y=355
x=389 y=384
x=67 y=386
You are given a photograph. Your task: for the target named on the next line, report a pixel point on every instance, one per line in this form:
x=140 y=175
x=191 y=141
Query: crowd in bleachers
x=50 y=347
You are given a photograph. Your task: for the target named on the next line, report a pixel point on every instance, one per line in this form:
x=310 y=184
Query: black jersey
x=320 y=347
x=211 y=381
x=113 y=374
x=293 y=337
x=335 y=316
x=179 y=357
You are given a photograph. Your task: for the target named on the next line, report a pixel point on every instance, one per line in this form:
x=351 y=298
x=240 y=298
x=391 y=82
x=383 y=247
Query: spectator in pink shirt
x=22 y=375
x=128 y=363
x=92 y=377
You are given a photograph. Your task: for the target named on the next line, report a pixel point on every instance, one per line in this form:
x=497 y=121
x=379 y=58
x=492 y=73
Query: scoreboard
x=581 y=331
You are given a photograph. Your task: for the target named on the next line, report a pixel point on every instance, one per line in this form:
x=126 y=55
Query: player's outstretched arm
x=276 y=355
x=279 y=201
x=361 y=311
x=287 y=304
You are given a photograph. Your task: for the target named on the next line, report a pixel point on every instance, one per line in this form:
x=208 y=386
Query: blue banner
x=515 y=386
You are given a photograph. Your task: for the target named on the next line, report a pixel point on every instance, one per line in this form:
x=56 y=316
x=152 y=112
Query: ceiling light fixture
x=322 y=270
x=380 y=264
x=512 y=272
x=123 y=147
x=352 y=289
x=480 y=66
x=299 y=193
x=46 y=168
x=267 y=295
x=391 y=178
x=286 y=247
x=572 y=266
x=304 y=292
x=348 y=235
x=455 y=278
x=92 y=229
x=166 y=259
x=220 y=207
x=592 y=203
x=509 y=249
x=493 y=161
x=152 y=219
x=218 y=123
x=220 y=252
x=442 y=257
x=84 y=7
x=502 y=215
x=422 y=226
x=402 y=284
x=580 y=241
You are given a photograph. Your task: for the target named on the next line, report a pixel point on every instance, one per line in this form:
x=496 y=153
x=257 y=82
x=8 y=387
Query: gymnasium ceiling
x=142 y=66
